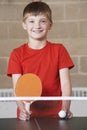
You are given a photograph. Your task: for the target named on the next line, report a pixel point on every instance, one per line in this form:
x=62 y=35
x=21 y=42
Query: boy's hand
x=24 y=114
x=65 y=115
x=69 y=114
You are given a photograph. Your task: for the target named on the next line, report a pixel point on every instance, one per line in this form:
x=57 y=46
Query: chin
x=39 y=38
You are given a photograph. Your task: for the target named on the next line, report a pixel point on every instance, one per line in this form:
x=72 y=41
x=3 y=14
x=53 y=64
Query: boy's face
x=37 y=26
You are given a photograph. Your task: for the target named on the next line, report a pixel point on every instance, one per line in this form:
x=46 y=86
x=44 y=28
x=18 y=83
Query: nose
x=37 y=24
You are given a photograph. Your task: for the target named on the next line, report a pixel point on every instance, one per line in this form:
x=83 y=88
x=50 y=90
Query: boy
x=51 y=62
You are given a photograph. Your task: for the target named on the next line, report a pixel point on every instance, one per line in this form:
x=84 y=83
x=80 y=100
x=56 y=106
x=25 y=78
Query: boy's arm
x=66 y=89
x=24 y=115
x=15 y=77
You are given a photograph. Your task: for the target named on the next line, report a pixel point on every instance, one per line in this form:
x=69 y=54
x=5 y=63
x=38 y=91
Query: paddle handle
x=27 y=106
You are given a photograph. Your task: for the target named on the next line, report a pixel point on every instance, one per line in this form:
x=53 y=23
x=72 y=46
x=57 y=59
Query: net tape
x=46 y=98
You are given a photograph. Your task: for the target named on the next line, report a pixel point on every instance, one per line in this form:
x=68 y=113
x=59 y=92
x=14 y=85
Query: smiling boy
x=51 y=62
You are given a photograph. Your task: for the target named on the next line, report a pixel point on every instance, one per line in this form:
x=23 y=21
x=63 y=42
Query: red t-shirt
x=45 y=63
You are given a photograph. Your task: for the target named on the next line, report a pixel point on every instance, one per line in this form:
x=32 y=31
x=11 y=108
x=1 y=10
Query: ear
x=50 y=26
x=24 y=25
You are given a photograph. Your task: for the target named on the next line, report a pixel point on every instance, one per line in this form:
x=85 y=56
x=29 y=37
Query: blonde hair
x=36 y=8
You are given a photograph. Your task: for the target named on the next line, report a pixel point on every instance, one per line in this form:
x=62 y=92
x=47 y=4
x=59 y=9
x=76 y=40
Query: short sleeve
x=65 y=60
x=14 y=64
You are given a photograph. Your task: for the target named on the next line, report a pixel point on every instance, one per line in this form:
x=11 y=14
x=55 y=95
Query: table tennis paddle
x=28 y=85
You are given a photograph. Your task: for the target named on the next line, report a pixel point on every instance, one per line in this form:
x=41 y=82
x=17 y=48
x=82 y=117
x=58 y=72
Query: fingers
x=69 y=114
x=65 y=115
x=24 y=115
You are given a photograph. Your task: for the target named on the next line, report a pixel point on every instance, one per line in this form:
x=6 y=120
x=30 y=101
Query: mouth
x=38 y=31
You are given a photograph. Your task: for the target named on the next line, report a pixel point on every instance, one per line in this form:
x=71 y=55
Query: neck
x=37 y=44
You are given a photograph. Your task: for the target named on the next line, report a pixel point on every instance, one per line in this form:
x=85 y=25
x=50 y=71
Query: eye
x=43 y=21
x=31 y=21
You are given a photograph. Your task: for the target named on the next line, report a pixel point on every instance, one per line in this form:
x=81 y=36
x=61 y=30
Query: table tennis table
x=44 y=123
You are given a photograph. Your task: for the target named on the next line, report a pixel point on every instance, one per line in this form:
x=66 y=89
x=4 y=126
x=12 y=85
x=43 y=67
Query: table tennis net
x=77 y=94
x=78 y=104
